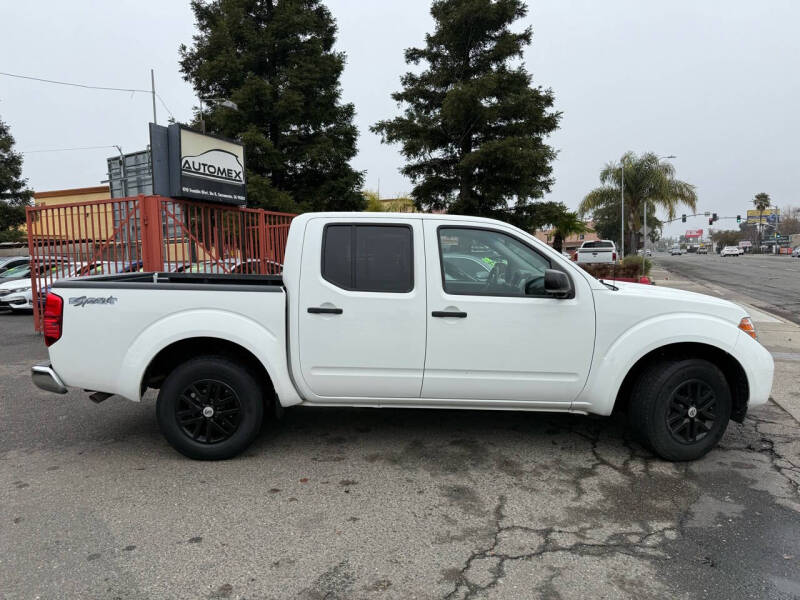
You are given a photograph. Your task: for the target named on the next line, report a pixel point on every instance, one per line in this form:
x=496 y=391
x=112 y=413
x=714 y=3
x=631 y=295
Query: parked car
x=597 y=251
x=366 y=313
x=731 y=251
x=15 y=294
x=796 y=251
x=9 y=262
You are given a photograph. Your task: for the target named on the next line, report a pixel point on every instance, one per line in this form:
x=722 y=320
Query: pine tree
x=274 y=60
x=14 y=192
x=473 y=129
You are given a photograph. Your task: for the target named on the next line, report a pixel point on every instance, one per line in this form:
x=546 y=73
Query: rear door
x=362 y=308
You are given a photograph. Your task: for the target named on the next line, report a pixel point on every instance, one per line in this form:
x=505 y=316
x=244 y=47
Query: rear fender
x=270 y=349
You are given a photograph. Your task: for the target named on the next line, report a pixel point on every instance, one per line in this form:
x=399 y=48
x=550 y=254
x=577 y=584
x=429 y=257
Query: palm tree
x=761 y=202
x=565 y=225
x=648 y=180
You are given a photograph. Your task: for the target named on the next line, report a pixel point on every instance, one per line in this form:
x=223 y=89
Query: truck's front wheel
x=680 y=408
x=210 y=408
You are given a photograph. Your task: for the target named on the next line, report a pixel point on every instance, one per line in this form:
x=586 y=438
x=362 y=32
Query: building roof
x=98 y=189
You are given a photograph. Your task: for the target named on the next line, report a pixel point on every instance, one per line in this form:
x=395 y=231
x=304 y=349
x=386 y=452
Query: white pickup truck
x=596 y=251
x=416 y=311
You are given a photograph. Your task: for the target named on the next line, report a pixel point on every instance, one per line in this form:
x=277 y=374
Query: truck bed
x=176 y=281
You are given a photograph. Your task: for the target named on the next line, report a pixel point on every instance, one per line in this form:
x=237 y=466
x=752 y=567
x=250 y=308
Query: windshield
x=20 y=271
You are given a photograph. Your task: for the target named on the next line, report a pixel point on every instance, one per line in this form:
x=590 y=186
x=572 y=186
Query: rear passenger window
x=369 y=258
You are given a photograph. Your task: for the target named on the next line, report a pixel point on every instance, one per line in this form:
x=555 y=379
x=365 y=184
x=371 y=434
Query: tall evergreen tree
x=275 y=60
x=473 y=129
x=14 y=192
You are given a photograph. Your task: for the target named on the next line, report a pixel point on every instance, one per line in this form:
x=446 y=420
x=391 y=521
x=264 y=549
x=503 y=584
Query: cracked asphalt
x=364 y=503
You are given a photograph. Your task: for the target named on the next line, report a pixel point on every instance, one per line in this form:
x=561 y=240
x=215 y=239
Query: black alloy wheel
x=680 y=407
x=690 y=412
x=211 y=407
x=208 y=411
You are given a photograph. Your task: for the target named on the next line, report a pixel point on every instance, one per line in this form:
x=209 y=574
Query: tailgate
x=595 y=255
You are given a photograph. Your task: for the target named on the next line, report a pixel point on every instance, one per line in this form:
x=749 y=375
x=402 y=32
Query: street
x=772 y=281
x=367 y=503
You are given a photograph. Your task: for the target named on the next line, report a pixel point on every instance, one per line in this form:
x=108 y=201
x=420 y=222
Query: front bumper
x=15 y=301
x=758 y=366
x=45 y=378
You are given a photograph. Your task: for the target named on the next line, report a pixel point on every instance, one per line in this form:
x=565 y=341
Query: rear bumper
x=45 y=378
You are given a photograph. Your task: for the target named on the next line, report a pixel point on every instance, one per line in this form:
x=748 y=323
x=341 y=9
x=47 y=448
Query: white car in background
x=731 y=251
x=16 y=295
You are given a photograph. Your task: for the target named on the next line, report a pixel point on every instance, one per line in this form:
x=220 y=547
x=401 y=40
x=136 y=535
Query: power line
x=89 y=87
x=66 y=149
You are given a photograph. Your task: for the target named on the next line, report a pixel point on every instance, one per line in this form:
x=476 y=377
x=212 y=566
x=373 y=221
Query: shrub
x=636 y=261
x=630 y=267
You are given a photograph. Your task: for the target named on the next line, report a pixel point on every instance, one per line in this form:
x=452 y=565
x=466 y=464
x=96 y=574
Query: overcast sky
x=716 y=83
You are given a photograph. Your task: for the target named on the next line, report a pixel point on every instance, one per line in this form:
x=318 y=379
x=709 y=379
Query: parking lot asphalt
x=772 y=281
x=378 y=503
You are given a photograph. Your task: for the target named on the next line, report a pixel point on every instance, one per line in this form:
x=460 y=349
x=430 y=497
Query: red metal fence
x=150 y=233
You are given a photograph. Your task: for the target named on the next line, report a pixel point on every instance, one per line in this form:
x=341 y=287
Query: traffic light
x=714 y=217
x=683 y=218
x=738 y=218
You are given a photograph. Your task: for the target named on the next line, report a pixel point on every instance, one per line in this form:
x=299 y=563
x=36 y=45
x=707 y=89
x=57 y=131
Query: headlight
x=18 y=290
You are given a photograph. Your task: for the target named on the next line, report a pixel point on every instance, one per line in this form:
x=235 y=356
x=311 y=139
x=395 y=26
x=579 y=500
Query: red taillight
x=613 y=257
x=53 y=318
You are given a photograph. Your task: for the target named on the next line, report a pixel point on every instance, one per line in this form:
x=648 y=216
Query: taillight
x=53 y=318
x=613 y=257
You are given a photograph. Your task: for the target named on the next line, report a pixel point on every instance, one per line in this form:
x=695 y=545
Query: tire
x=210 y=408
x=670 y=412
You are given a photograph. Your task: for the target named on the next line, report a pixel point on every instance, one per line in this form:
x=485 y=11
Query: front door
x=493 y=333
x=362 y=309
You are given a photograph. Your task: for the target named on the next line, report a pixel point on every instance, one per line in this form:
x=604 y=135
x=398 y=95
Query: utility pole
x=202 y=120
x=622 y=202
x=153 y=92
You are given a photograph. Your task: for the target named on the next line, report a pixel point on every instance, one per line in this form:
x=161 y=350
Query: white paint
x=522 y=353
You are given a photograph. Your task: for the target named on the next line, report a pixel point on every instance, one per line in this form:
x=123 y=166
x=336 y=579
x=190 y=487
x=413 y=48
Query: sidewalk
x=779 y=336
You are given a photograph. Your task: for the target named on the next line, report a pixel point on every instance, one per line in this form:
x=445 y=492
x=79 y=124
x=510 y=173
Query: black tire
x=210 y=408
x=661 y=413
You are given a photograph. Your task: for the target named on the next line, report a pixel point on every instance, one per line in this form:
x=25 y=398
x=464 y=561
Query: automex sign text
x=190 y=164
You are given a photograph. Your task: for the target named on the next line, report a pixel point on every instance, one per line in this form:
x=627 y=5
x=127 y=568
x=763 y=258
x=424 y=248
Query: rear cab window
x=368 y=258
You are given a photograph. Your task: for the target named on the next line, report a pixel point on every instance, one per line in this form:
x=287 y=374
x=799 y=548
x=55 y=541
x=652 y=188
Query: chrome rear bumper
x=45 y=378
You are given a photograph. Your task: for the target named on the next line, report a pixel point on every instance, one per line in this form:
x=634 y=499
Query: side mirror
x=557 y=284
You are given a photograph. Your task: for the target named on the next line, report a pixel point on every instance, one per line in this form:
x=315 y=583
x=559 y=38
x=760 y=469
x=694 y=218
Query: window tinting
x=337 y=259
x=382 y=261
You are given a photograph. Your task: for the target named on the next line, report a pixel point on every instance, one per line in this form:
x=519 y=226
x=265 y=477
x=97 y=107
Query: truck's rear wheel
x=210 y=408
x=680 y=408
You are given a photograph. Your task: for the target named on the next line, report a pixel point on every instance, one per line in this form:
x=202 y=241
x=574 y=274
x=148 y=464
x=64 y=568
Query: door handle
x=318 y=310
x=449 y=313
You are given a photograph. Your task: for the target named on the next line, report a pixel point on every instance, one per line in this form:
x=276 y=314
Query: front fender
x=614 y=358
x=270 y=348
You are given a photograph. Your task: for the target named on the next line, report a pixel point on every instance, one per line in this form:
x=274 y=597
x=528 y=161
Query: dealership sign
x=189 y=164
x=694 y=233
